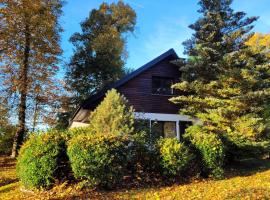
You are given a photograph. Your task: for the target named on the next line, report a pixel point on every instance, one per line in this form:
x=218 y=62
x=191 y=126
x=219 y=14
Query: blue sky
x=161 y=24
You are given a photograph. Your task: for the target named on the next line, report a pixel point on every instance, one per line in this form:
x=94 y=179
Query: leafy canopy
x=100 y=52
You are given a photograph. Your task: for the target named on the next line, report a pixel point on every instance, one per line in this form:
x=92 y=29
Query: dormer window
x=162 y=85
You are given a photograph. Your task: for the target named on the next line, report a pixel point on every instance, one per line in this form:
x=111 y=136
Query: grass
x=248 y=179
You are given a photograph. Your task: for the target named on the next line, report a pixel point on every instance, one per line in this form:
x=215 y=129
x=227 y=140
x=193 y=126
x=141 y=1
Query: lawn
x=248 y=179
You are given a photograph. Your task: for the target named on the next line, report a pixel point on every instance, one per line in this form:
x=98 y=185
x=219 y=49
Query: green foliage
x=100 y=51
x=225 y=80
x=112 y=116
x=100 y=159
x=6 y=139
x=42 y=159
x=209 y=147
x=175 y=156
x=143 y=157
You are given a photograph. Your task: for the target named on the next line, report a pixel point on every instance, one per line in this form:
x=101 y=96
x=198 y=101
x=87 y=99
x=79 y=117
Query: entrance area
x=166 y=125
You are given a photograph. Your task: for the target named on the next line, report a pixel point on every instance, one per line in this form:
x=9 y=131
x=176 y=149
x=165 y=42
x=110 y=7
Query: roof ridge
x=90 y=99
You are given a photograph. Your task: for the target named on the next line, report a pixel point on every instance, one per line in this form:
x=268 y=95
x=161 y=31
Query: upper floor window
x=162 y=85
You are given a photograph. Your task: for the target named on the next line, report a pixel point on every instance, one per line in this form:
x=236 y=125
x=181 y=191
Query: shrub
x=210 y=148
x=113 y=115
x=74 y=132
x=6 y=139
x=175 y=157
x=143 y=159
x=98 y=158
x=42 y=159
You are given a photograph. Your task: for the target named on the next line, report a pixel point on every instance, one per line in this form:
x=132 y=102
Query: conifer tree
x=226 y=82
x=113 y=115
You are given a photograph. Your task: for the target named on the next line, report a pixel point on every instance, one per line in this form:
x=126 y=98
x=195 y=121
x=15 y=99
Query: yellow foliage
x=260 y=42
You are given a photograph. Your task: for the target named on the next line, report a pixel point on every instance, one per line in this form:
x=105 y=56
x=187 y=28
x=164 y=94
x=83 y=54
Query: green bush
x=210 y=149
x=98 y=158
x=175 y=157
x=6 y=139
x=74 y=132
x=143 y=158
x=42 y=160
x=113 y=115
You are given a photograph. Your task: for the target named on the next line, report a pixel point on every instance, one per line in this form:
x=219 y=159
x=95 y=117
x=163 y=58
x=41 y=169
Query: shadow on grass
x=8 y=187
x=7 y=181
x=247 y=167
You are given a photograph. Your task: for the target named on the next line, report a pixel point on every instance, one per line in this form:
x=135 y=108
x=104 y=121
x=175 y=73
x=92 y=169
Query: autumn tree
x=100 y=52
x=226 y=83
x=260 y=43
x=30 y=39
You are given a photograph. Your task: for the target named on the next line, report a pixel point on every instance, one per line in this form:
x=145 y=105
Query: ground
x=248 y=179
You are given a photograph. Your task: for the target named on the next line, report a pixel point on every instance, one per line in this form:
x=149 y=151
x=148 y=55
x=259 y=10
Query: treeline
x=30 y=58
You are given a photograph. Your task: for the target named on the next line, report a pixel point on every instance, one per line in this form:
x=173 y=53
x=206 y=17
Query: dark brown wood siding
x=139 y=90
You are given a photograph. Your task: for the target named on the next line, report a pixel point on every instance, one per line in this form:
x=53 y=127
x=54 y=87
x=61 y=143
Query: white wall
x=78 y=125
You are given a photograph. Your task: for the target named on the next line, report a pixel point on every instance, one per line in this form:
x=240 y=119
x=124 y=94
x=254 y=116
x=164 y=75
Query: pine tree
x=226 y=82
x=30 y=43
x=100 y=52
x=113 y=115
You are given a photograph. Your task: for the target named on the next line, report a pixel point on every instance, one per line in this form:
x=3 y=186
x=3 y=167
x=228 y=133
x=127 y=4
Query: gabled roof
x=85 y=104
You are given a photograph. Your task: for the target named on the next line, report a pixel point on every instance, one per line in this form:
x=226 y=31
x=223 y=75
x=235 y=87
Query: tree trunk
x=35 y=116
x=18 y=138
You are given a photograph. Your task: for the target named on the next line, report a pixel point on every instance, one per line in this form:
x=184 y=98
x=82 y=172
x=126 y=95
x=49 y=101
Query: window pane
x=161 y=85
x=157 y=129
x=170 y=129
x=183 y=126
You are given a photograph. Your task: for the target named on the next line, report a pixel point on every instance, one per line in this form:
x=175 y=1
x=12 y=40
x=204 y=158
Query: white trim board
x=163 y=117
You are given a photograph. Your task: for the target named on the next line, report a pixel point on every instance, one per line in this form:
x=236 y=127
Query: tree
x=100 y=52
x=3 y=112
x=30 y=38
x=226 y=83
x=113 y=115
x=260 y=43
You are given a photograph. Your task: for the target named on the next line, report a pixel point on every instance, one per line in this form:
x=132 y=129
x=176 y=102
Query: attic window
x=162 y=85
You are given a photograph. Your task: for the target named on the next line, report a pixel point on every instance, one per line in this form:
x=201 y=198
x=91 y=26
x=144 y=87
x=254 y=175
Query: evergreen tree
x=113 y=115
x=100 y=52
x=226 y=82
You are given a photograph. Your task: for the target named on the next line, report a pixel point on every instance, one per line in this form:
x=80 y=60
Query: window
x=164 y=129
x=162 y=85
x=183 y=125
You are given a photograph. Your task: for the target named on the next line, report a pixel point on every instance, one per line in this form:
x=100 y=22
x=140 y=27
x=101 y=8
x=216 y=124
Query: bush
x=99 y=158
x=143 y=158
x=42 y=160
x=210 y=149
x=6 y=139
x=175 y=157
x=74 y=132
x=113 y=115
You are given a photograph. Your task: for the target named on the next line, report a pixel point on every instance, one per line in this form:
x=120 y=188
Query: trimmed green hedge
x=42 y=160
x=100 y=159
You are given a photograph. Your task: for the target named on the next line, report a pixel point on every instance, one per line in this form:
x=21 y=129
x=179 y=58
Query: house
x=148 y=90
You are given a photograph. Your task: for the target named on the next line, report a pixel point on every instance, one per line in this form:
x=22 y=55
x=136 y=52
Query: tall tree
x=100 y=52
x=30 y=40
x=3 y=112
x=226 y=82
x=260 y=43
